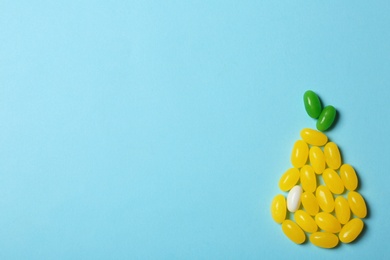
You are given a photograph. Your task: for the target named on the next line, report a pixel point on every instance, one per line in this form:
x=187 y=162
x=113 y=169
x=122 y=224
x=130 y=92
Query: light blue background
x=160 y=129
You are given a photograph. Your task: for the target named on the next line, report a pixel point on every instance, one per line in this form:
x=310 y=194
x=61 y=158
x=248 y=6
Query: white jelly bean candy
x=294 y=198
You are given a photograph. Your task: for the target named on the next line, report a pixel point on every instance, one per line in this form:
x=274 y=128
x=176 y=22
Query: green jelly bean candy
x=326 y=118
x=312 y=104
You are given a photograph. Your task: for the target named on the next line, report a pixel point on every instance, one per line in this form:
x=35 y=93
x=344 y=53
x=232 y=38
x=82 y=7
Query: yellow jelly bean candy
x=317 y=159
x=308 y=178
x=289 y=179
x=351 y=230
x=332 y=155
x=309 y=202
x=341 y=207
x=299 y=154
x=348 y=176
x=333 y=181
x=328 y=222
x=314 y=137
x=324 y=239
x=325 y=198
x=293 y=231
x=305 y=221
x=357 y=204
x=279 y=208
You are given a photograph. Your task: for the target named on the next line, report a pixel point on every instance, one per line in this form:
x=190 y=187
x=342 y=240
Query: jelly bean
x=325 y=198
x=294 y=198
x=278 y=208
x=293 y=231
x=299 y=154
x=313 y=137
x=309 y=202
x=328 y=222
x=308 y=178
x=348 y=175
x=333 y=181
x=289 y=179
x=357 y=204
x=351 y=230
x=326 y=118
x=305 y=221
x=341 y=207
x=324 y=239
x=312 y=104
x=332 y=155
x=317 y=159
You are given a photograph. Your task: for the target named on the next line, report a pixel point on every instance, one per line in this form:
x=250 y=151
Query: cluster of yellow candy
x=322 y=198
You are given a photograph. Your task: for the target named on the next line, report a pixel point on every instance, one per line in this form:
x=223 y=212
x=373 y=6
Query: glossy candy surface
x=326 y=118
x=312 y=104
x=324 y=239
x=357 y=204
x=293 y=231
x=333 y=181
x=310 y=204
x=332 y=155
x=351 y=230
x=278 y=208
x=305 y=221
x=289 y=179
x=332 y=210
x=313 y=137
x=342 y=210
x=308 y=178
x=294 y=198
x=325 y=198
x=348 y=176
x=317 y=159
x=299 y=154
x=328 y=222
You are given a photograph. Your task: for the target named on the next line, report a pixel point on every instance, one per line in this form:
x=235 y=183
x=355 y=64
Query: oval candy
x=332 y=155
x=312 y=104
x=325 y=198
x=357 y=204
x=278 y=208
x=305 y=221
x=349 y=177
x=333 y=181
x=341 y=207
x=326 y=118
x=308 y=178
x=351 y=230
x=294 y=198
x=317 y=159
x=313 y=137
x=324 y=239
x=289 y=179
x=299 y=154
x=293 y=231
x=309 y=203
x=328 y=222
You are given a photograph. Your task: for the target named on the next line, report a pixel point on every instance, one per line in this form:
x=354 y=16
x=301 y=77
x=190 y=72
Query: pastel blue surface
x=160 y=129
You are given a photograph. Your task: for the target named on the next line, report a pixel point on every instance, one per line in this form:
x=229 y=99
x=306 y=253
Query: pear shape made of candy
x=319 y=189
